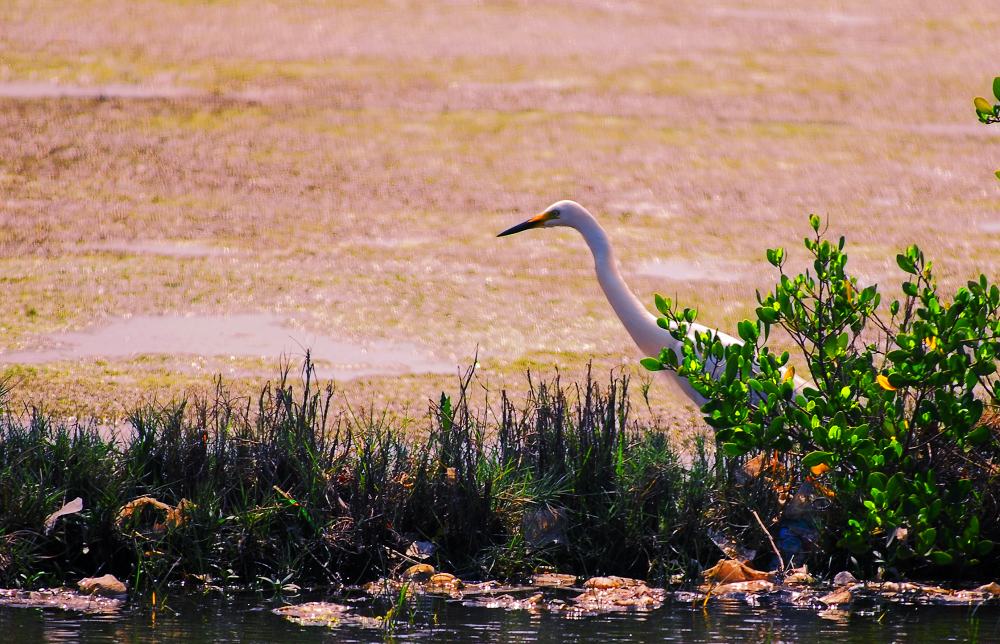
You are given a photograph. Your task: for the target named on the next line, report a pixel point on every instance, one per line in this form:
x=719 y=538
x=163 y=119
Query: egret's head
x=561 y=213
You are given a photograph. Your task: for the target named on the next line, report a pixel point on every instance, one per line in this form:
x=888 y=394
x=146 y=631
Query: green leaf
x=941 y=558
x=662 y=304
x=732 y=449
x=747 y=331
x=910 y=289
x=983 y=107
x=767 y=315
x=898 y=356
x=813 y=459
x=444 y=409
x=906 y=264
x=834 y=344
x=971 y=530
x=984 y=368
x=978 y=435
x=651 y=364
x=894 y=486
x=996 y=87
x=814 y=219
x=878 y=481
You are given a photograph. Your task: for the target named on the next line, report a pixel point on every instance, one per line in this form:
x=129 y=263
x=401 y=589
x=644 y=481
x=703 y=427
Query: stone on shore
x=105 y=586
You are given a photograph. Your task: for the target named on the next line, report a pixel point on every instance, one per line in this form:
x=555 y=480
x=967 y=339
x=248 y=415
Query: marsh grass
x=283 y=490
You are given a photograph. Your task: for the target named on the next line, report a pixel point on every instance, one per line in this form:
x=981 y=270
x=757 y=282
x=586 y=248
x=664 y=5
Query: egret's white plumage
x=638 y=321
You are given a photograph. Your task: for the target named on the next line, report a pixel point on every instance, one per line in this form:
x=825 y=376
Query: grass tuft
x=283 y=491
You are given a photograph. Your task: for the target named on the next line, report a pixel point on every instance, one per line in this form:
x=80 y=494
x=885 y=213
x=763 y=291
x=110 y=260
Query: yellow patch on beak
x=534 y=222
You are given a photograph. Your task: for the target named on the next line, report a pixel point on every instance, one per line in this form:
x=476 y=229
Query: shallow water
x=256 y=335
x=193 y=619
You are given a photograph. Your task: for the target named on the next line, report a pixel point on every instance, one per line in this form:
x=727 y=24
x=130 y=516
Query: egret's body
x=638 y=321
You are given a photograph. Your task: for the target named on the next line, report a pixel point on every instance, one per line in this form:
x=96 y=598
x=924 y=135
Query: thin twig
x=769 y=538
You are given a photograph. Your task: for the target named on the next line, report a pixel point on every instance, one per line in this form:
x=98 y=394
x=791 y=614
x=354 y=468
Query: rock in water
x=418 y=572
x=844 y=578
x=992 y=588
x=444 y=581
x=105 y=586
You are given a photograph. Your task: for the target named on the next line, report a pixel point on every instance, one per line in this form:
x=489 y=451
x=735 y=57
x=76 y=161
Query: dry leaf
x=72 y=507
x=729 y=571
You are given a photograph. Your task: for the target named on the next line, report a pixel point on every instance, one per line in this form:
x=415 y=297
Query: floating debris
x=838 y=597
x=60 y=599
x=753 y=586
x=618 y=593
x=421 y=579
x=799 y=577
x=553 y=580
x=728 y=579
x=534 y=602
x=325 y=614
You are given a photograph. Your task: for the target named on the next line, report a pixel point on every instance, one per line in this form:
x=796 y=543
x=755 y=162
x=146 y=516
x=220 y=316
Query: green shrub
x=891 y=423
x=987 y=113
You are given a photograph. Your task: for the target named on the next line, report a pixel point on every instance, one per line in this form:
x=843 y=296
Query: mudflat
x=341 y=169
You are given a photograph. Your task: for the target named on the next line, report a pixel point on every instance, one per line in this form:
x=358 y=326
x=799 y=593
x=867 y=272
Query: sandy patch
x=259 y=335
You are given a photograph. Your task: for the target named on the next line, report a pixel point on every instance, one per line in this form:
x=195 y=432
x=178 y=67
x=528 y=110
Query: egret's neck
x=639 y=322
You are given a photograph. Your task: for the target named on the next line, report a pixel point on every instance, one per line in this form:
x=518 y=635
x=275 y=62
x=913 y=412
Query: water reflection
x=436 y=620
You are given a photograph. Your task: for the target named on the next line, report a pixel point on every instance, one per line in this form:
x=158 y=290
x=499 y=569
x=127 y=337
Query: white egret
x=638 y=321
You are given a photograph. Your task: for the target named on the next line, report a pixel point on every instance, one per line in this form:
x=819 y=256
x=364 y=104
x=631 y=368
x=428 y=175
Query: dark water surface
x=249 y=619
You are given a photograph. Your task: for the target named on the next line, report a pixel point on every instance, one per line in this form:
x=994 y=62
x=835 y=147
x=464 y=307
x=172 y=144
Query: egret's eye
x=554 y=214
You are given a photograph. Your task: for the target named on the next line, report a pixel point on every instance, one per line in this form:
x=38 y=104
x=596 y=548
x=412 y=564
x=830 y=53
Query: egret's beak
x=534 y=222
